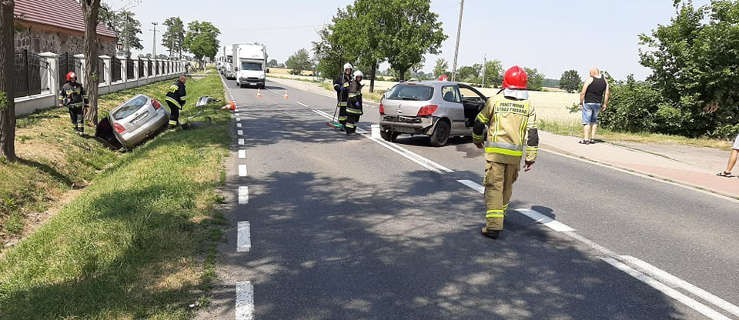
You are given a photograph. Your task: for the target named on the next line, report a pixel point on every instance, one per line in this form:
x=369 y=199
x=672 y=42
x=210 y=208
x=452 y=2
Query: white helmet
x=358 y=74
x=347 y=66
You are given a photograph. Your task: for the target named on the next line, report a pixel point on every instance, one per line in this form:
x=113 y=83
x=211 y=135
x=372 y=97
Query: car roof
x=432 y=83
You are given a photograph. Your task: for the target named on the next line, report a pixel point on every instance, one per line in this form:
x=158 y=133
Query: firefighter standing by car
x=73 y=96
x=354 y=103
x=341 y=85
x=510 y=119
x=176 y=95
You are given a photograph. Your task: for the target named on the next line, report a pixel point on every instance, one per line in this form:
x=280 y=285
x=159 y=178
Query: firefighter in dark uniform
x=74 y=97
x=354 y=103
x=176 y=95
x=341 y=85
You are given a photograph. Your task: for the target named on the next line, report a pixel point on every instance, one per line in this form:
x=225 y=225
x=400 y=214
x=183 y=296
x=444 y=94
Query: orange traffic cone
x=285 y=96
x=259 y=93
x=233 y=105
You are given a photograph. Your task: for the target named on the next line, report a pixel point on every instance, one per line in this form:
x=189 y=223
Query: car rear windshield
x=411 y=92
x=130 y=107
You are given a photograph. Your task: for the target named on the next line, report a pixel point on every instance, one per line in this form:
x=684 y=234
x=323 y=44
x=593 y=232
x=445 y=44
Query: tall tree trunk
x=7 y=86
x=92 y=76
x=372 y=80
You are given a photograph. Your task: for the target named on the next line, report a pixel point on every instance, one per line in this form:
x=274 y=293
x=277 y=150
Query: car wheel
x=441 y=133
x=389 y=135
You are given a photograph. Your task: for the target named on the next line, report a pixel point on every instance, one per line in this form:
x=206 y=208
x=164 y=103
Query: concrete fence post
x=106 y=72
x=52 y=72
x=81 y=74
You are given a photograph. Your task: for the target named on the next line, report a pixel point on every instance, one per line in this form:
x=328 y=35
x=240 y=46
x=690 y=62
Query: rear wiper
x=409 y=98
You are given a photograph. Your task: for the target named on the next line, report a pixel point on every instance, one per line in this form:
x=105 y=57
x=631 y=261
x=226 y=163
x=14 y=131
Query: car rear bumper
x=132 y=138
x=413 y=125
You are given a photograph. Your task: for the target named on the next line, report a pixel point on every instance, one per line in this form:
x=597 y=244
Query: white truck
x=249 y=64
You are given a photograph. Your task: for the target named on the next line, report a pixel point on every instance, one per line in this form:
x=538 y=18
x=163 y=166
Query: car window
x=130 y=107
x=251 y=66
x=468 y=94
x=450 y=93
x=411 y=92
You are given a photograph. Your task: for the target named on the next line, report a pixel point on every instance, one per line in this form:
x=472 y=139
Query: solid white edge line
x=243 y=237
x=241 y=142
x=242 y=154
x=670 y=292
x=472 y=185
x=243 y=195
x=424 y=162
x=675 y=282
x=240 y=132
x=242 y=170
x=642 y=175
x=545 y=220
x=244 y=301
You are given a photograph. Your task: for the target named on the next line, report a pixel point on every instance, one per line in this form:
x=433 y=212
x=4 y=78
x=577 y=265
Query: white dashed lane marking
x=242 y=154
x=243 y=195
x=244 y=301
x=242 y=170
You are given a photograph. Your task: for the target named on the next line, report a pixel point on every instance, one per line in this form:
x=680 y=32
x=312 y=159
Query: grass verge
x=139 y=242
x=574 y=129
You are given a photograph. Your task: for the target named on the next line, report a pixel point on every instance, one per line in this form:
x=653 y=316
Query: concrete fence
x=152 y=70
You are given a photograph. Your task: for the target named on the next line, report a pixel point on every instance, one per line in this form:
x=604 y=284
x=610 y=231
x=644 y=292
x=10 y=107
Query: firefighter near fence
x=510 y=120
x=73 y=96
x=175 y=98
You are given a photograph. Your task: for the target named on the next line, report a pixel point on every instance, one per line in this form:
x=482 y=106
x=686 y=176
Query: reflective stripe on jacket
x=508 y=122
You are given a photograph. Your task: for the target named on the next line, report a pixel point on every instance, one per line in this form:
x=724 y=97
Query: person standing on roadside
x=593 y=99
x=354 y=103
x=510 y=120
x=72 y=95
x=176 y=95
x=732 y=160
x=341 y=85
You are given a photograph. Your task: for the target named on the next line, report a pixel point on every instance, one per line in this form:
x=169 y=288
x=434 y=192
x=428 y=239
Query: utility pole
x=456 y=50
x=484 y=63
x=154 y=41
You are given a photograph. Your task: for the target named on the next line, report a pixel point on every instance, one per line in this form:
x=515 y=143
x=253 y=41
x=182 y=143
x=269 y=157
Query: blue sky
x=552 y=36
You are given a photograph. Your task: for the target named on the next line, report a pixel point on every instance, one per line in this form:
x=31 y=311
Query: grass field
x=138 y=241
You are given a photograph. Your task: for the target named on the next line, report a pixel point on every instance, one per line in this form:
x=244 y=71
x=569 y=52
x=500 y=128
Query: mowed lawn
x=139 y=241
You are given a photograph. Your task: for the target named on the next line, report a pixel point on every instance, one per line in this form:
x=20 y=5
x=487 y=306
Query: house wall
x=38 y=38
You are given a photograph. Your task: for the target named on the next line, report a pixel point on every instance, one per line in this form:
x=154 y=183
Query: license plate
x=142 y=116
x=252 y=83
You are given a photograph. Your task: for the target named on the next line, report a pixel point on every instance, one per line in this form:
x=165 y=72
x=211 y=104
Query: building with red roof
x=56 y=26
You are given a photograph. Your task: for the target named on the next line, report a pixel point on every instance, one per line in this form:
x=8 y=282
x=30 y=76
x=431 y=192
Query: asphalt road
x=345 y=227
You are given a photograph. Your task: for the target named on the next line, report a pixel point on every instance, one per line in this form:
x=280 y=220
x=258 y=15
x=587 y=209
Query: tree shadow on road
x=338 y=248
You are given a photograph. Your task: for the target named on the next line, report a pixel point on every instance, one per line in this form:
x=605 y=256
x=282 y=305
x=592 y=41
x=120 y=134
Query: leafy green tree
x=201 y=39
x=128 y=29
x=469 y=73
x=441 y=67
x=536 y=79
x=493 y=73
x=299 y=61
x=694 y=66
x=329 y=52
x=272 y=63
x=174 y=37
x=570 y=81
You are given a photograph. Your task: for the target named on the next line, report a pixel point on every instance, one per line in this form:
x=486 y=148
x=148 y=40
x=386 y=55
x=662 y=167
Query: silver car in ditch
x=137 y=119
x=438 y=109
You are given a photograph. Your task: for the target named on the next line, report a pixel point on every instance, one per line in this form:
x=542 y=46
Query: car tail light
x=382 y=109
x=119 y=128
x=427 y=110
x=156 y=104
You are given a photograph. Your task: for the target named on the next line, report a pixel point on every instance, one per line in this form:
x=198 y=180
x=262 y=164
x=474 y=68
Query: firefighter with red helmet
x=73 y=96
x=511 y=128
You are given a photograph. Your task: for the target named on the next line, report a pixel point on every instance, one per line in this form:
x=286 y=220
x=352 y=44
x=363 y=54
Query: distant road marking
x=238 y=119
x=670 y=292
x=243 y=237
x=675 y=282
x=238 y=125
x=240 y=132
x=242 y=170
x=242 y=154
x=241 y=142
x=422 y=161
x=244 y=301
x=243 y=195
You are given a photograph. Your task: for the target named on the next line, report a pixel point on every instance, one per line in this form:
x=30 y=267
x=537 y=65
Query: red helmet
x=515 y=78
x=71 y=75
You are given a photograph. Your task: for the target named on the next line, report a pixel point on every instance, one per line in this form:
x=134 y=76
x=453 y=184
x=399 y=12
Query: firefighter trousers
x=353 y=112
x=77 y=117
x=498 y=182
x=174 y=114
x=342 y=111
